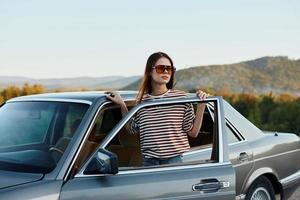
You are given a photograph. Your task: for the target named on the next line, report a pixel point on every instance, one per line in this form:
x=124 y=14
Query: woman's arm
x=199 y=115
x=197 y=121
x=116 y=98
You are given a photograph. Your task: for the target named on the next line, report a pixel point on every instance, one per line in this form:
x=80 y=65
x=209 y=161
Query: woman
x=163 y=130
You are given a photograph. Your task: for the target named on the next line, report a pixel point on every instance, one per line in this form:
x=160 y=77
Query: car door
x=213 y=179
x=241 y=157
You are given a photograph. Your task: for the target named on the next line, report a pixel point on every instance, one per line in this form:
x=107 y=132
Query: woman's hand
x=114 y=97
x=201 y=95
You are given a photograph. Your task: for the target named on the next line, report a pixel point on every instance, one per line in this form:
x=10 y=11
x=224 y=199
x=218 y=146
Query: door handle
x=210 y=185
x=243 y=157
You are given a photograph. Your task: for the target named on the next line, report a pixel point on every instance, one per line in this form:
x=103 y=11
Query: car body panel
x=243 y=125
x=10 y=179
x=268 y=155
x=39 y=190
x=242 y=168
x=164 y=178
x=150 y=184
x=276 y=154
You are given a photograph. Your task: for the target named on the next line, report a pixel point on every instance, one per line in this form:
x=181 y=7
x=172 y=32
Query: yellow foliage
x=26 y=89
x=1 y=100
x=285 y=98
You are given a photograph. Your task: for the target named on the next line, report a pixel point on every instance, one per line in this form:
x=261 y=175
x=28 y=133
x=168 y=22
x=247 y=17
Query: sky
x=94 y=38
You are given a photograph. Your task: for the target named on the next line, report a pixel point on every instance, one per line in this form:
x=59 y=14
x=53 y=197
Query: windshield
x=34 y=135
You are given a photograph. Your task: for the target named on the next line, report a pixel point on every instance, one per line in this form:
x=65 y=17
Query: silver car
x=75 y=146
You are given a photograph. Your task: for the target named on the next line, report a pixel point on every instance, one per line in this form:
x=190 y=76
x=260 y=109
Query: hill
x=88 y=83
x=263 y=75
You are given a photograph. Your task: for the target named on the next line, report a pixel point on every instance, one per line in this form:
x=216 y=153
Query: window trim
x=51 y=100
x=85 y=138
x=131 y=113
x=83 y=141
x=235 y=130
x=228 y=122
x=156 y=169
x=210 y=148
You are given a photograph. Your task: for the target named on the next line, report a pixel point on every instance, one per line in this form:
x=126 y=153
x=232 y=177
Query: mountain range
x=263 y=75
x=79 y=83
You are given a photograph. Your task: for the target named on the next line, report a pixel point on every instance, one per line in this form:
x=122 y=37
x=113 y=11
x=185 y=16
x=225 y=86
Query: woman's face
x=164 y=77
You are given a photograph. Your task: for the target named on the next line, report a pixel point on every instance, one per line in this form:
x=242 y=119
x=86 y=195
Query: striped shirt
x=163 y=129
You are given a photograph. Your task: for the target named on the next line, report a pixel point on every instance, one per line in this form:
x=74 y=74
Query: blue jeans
x=161 y=161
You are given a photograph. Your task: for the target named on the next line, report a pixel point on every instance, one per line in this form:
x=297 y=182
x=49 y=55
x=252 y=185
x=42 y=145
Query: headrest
x=74 y=126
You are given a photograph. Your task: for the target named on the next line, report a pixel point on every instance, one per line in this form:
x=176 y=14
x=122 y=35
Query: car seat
x=60 y=146
x=128 y=152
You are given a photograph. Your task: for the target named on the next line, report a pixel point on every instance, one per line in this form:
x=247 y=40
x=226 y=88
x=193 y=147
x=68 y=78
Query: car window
x=205 y=136
x=24 y=123
x=73 y=118
x=231 y=137
x=107 y=118
x=34 y=135
x=128 y=146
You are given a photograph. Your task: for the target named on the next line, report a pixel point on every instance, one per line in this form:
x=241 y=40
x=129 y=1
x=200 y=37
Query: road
x=296 y=195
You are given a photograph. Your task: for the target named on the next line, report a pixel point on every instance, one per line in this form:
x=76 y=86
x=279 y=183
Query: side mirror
x=103 y=162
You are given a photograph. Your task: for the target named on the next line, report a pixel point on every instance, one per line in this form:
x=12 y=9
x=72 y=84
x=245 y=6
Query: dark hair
x=146 y=82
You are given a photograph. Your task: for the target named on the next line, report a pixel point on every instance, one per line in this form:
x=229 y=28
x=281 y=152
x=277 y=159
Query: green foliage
x=285 y=117
x=268 y=112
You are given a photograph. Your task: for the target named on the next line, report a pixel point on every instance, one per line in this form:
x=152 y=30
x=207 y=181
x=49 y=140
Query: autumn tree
x=26 y=89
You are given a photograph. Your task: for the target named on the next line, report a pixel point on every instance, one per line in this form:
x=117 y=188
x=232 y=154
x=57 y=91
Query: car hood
x=9 y=179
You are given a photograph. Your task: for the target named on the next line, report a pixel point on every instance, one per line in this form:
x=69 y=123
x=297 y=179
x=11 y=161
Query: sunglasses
x=160 y=69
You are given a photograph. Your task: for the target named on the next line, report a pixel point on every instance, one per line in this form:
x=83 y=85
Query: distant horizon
x=124 y=76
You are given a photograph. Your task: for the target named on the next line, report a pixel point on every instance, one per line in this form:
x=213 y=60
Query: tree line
x=267 y=111
x=14 y=91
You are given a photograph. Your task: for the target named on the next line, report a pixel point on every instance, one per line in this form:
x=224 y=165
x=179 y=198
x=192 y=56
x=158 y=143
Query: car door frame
x=223 y=158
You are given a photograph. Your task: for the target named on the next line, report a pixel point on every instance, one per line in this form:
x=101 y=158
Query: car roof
x=88 y=96
x=247 y=129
